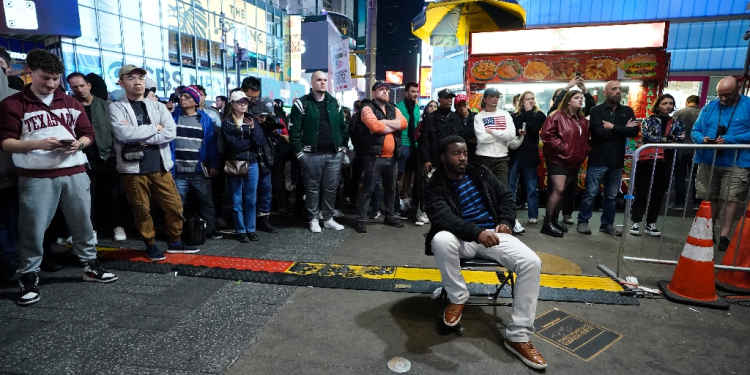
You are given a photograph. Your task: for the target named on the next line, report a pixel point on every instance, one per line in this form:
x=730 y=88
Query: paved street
x=165 y=324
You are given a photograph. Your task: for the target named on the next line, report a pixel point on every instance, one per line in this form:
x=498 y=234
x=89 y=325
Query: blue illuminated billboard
x=40 y=17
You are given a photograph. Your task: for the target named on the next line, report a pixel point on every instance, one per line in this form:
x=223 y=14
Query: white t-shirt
x=46 y=99
x=495 y=143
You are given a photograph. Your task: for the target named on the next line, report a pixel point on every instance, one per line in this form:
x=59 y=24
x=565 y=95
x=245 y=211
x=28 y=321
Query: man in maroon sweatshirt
x=45 y=131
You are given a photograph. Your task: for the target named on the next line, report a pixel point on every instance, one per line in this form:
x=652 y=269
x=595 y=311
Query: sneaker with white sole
x=120 y=234
x=332 y=224
x=422 y=217
x=29 y=292
x=518 y=229
x=315 y=226
x=181 y=248
x=635 y=229
x=651 y=230
x=533 y=220
x=94 y=272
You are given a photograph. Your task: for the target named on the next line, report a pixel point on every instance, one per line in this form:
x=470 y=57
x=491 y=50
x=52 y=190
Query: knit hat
x=192 y=91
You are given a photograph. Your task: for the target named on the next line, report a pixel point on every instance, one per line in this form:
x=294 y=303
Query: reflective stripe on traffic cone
x=737 y=281
x=693 y=279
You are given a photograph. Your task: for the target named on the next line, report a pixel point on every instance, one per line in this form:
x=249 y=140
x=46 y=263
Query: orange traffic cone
x=693 y=279
x=737 y=281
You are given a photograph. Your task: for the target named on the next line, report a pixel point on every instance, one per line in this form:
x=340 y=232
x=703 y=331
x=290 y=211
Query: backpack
x=194 y=230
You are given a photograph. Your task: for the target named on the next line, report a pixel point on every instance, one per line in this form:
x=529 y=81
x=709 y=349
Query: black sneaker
x=29 y=293
x=723 y=243
x=264 y=224
x=215 y=235
x=242 y=237
x=393 y=221
x=609 y=229
x=181 y=248
x=399 y=215
x=361 y=227
x=154 y=254
x=92 y=271
x=252 y=236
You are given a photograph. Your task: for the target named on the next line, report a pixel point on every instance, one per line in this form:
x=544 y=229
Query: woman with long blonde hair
x=566 y=144
x=528 y=120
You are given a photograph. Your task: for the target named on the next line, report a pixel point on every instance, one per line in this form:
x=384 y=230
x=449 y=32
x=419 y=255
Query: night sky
x=397 y=46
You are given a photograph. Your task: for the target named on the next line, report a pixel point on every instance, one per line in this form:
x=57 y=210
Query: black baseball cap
x=445 y=93
x=379 y=84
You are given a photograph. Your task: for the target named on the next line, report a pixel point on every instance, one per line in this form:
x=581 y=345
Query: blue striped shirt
x=472 y=204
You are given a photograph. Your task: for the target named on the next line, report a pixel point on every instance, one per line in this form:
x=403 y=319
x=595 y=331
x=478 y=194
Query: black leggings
x=658 y=188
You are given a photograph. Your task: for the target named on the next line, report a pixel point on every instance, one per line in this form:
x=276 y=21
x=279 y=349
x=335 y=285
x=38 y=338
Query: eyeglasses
x=243 y=101
x=186 y=96
x=133 y=79
x=253 y=98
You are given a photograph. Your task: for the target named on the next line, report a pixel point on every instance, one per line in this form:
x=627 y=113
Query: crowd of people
x=75 y=165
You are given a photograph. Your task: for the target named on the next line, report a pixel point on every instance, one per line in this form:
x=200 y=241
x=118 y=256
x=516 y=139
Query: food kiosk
x=543 y=60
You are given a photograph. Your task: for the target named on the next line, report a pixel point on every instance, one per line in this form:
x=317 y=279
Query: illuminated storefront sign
x=425 y=81
x=586 y=38
x=297 y=48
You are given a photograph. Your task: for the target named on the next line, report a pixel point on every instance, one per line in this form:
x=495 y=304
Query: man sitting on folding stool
x=472 y=214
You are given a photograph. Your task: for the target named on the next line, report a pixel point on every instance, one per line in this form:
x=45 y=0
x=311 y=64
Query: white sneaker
x=518 y=228
x=120 y=234
x=337 y=213
x=65 y=241
x=422 y=218
x=532 y=221
x=332 y=224
x=96 y=238
x=635 y=229
x=314 y=226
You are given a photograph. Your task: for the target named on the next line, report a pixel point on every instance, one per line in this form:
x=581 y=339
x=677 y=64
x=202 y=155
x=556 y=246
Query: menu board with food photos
x=593 y=66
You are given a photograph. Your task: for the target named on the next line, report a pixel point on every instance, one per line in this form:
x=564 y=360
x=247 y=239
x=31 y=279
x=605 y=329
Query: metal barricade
x=629 y=198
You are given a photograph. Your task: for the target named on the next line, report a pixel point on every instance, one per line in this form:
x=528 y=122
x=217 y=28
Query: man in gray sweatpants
x=46 y=130
x=472 y=214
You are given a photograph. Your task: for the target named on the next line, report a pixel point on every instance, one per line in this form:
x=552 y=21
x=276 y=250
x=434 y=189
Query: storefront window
x=88 y=3
x=186 y=19
x=89 y=35
x=88 y=60
x=169 y=14
x=109 y=27
x=111 y=62
x=215 y=55
x=132 y=35
x=187 y=50
x=201 y=3
x=154 y=46
x=131 y=9
x=174 y=48
x=110 y=6
x=155 y=69
x=151 y=11
x=201 y=24
x=68 y=59
x=203 y=52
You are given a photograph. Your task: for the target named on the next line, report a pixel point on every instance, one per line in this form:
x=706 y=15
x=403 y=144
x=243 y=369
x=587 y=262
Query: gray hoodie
x=8 y=176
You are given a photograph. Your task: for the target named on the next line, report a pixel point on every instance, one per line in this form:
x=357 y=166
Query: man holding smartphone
x=45 y=129
x=723 y=121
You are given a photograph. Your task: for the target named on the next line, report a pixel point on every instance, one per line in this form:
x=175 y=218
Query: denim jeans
x=376 y=168
x=38 y=200
x=513 y=255
x=202 y=187
x=265 y=190
x=321 y=173
x=532 y=179
x=244 y=197
x=595 y=176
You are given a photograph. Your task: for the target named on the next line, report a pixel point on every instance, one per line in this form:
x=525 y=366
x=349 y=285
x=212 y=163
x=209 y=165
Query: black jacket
x=434 y=129
x=444 y=209
x=372 y=143
x=608 y=146
x=529 y=149
x=241 y=144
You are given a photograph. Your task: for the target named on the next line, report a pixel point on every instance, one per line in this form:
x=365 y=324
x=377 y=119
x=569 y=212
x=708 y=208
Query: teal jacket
x=407 y=137
x=304 y=124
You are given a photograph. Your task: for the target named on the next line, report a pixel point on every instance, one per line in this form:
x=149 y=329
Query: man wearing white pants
x=472 y=214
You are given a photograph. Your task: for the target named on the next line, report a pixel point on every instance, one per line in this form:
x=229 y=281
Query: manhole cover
x=399 y=365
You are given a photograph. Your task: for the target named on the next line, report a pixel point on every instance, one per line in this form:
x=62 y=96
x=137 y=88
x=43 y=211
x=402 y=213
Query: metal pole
x=237 y=57
x=224 y=52
x=371 y=47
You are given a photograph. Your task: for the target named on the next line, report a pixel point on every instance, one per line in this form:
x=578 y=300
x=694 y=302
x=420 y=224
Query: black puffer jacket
x=529 y=149
x=434 y=128
x=443 y=206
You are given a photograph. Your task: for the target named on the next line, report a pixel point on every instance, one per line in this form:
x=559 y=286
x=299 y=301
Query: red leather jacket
x=564 y=143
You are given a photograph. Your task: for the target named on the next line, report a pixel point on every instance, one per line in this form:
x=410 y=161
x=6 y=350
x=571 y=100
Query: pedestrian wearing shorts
x=724 y=184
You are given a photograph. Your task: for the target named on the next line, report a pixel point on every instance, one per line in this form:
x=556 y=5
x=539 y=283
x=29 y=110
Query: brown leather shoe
x=528 y=354
x=452 y=314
